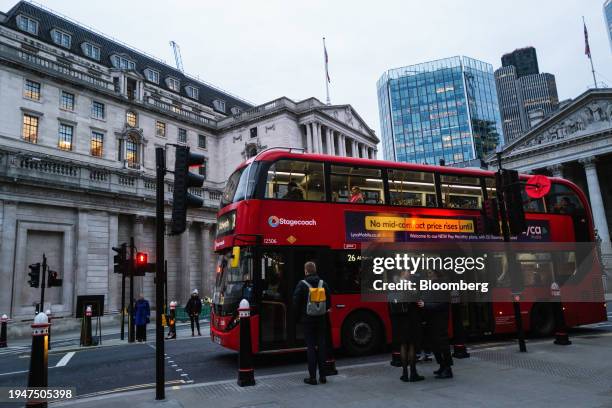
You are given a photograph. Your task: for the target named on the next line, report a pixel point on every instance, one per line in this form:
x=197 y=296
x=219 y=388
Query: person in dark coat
x=406 y=327
x=142 y=314
x=314 y=326
x=437 y=305
x=193 y=309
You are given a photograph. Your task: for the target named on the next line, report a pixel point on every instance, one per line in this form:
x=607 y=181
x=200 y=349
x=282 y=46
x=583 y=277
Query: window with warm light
x=131 y=118
x=31 y=90
x=131 y=151
x=65 y=137
x=160 y=129
x=30 y=128
x=97 y=143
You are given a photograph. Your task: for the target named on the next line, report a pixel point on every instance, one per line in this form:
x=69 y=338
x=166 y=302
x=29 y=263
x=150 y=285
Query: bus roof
x=275 y=154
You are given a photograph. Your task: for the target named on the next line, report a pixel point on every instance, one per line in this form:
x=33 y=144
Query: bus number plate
x=217 y=340
x=270 y=241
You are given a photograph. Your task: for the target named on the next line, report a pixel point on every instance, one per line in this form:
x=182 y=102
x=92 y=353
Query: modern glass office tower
x=445 y=109
x=607 y=8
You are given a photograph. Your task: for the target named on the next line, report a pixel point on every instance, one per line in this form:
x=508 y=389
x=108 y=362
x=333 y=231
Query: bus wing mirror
x=235 y=257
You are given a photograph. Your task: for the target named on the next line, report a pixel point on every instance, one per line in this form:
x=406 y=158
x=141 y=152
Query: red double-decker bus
x=283 y=208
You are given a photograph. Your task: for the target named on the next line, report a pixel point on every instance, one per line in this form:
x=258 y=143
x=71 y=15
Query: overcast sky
x=264 y=49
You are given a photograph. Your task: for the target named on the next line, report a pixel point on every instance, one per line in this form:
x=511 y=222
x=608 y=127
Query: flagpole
x=590 y=57
x=326 y=71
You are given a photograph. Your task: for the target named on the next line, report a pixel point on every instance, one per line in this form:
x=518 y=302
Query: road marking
x=64 y=361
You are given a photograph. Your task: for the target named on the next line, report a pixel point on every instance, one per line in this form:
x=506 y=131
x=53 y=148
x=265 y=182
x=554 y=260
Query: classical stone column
x=342 y=144
x=556 y=170
x=82 y=253
x=208 y=271
x=7 y=255
x=184 y=274
x=355 y=149
x=597 y=206
x=330 y=141
x=114 y=280
x=308 y=138
x=316 y=133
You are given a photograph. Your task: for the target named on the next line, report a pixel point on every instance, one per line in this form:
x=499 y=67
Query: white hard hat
x=195 y=291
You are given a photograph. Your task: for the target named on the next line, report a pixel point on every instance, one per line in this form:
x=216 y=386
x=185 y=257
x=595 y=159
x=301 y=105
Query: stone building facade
x=574 y=143
x=80 y=117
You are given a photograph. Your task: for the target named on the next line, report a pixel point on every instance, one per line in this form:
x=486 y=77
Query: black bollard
x=459 y=349
x=330 y=361
x=3 y=321
x=172 y=321
x=86 y=339
x=37 y=377
x=561 y=336
x=246 y=372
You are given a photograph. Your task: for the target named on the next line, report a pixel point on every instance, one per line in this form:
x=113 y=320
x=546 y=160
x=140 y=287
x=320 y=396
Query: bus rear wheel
x=542 y=319
x=361 y=334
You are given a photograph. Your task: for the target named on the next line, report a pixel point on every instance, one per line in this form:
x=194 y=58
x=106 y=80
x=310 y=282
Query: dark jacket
x=300 y=298
x=194 y=305
x=142 y=312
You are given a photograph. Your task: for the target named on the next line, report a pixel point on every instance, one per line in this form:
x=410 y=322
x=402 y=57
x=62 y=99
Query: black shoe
x=199 y=334
x=311 y=381
x=405 y=378
x=323 y=380
x=445 y=372
x=414 y=377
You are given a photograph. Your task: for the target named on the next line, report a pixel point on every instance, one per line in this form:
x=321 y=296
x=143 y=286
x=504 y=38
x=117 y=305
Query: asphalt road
x=189 y=359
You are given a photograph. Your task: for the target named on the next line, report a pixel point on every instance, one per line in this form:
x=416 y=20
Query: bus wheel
x=542 y=320
x=361 y=334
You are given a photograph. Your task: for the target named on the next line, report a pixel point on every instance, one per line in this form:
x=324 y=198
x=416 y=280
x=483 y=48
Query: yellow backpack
x=316 y=305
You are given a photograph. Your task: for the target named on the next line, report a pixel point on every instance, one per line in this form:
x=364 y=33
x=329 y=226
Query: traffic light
x=183 y=179
x=34 y=275
x=53 y=279
x=491 y=216
x=513 y=201
x=142 y=264
x=120 y=260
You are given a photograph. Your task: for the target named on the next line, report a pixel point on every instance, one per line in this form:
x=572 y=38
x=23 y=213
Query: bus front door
x=281 y=270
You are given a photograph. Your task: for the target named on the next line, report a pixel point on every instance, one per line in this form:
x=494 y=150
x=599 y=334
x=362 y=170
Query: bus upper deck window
x=411 y=188
x=357 y=185
x=460 y=191
x=296 y=180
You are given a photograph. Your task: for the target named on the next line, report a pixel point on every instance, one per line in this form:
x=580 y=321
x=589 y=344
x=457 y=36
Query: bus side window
x=357 y=185
x=296 y=180
x=563 y=200
x=462 y=192
x=347 y=272
x=411 y=188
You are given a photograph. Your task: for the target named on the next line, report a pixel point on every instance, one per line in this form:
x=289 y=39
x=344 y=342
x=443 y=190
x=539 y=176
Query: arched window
x=131 y=118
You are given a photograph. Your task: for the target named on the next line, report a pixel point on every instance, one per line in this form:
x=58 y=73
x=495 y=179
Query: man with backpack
x=311 y=302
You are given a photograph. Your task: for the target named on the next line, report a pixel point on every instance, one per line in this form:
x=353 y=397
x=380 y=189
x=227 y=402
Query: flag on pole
x=587 y=49
x=326 y=61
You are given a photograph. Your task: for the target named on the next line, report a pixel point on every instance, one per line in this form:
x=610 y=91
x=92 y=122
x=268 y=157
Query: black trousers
x=437 y=335
x=195 y=319
x=315 y=337
x=141 y=332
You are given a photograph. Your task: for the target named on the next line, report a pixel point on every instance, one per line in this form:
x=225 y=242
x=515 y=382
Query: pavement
x=500 y=376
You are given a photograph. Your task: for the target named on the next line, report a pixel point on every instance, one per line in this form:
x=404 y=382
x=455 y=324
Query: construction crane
x=177 y=55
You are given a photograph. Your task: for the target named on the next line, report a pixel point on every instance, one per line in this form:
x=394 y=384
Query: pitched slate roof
x=48 y=21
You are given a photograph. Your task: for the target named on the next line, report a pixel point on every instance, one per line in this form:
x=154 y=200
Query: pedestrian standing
x=311 y=303
x=193 y=309
x=142 y=315
x=406 y=328
x=437 y=305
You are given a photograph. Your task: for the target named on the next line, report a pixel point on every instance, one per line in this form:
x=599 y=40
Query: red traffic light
x=142 y=258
